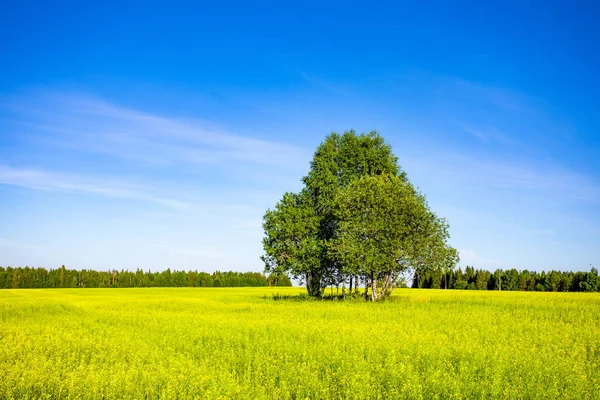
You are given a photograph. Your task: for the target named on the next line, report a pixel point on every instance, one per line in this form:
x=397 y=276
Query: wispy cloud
x=93 y=125
x=228 y=204
x=490 y=136
x=81 y=144
x=43 y=180
x=456 y=108
x=487 y=95
x=549 y=178
x=467 y=171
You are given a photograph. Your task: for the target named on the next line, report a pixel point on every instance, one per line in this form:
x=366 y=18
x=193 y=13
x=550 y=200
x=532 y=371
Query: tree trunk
x=366 y=293
x=310 y=285
x=500 y=279
x=350 y=287
x=373 y=288
x=388 y=284
x=344 y=288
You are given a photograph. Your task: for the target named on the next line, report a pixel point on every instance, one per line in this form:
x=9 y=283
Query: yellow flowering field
x=241 y=343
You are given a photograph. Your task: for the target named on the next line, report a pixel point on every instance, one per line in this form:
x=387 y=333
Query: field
x=238 y=343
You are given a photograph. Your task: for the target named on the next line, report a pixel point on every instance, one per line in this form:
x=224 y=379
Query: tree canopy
x=357 y=219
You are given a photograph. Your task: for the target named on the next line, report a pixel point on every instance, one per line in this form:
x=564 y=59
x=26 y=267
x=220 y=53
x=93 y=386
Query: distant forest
x=22 y=278
x=470 y=278
x=511 y=279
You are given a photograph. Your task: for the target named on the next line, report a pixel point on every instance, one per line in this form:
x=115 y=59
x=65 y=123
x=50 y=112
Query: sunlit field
x=241 y=343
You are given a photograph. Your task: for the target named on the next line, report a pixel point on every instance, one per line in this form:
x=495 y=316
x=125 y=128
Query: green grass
x=239 y=343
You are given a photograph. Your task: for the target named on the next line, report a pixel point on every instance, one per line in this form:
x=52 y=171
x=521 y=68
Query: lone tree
x=357 y=218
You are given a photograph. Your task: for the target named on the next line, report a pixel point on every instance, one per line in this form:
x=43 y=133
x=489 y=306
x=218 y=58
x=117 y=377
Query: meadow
x=241 y=343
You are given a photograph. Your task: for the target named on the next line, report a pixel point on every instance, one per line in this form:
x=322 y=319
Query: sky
x=155 y=135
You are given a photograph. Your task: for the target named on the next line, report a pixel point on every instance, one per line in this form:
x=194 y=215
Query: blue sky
x=156 y=134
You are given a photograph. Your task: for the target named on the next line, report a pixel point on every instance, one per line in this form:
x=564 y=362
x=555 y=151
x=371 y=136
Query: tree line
x=357 y=221
x=511 y=279
x=21 y=278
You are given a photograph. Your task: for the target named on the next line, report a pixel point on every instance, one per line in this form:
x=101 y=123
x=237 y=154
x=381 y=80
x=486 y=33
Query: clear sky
x=156 y=134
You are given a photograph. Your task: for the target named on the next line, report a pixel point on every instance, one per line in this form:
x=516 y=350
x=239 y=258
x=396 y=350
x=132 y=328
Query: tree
x=311 y=236
x=337 y=162
x=481 y=280
x=386 y=228
x=589 y=281
x=278 y=279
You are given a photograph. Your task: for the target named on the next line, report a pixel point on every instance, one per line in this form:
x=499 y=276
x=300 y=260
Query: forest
x=511 y=279
x=25 y=278
x=469 y=279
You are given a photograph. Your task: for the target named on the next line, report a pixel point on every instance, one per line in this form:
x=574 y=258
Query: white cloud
x=467 y=171
x=129 y=154
x=52 y=181
x=89 y=124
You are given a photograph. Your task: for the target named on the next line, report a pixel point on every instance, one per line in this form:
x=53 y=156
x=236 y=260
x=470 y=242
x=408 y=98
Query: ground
x=241 y=343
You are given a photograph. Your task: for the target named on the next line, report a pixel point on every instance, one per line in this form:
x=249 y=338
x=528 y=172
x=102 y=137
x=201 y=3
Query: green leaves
x=291 y=243
x=386 y=228
x=357 y=215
